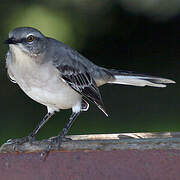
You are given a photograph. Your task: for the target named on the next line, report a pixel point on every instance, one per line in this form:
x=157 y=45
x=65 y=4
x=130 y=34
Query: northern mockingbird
x=55 y=75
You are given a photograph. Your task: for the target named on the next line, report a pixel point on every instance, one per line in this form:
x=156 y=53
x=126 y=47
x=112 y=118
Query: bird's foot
x=54 y=143
x=20 y=141
x=58 y=140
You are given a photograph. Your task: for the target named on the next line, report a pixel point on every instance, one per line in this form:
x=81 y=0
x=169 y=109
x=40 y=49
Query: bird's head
x=28 y=40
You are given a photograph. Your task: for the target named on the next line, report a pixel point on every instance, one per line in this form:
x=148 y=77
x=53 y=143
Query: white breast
x=41 y=82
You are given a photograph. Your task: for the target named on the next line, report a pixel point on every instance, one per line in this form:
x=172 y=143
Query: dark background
x=117 y=34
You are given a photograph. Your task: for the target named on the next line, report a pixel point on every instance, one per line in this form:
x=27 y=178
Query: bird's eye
x=30 y=38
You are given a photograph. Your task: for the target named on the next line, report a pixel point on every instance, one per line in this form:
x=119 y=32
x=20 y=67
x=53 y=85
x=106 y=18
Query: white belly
x=60 y=98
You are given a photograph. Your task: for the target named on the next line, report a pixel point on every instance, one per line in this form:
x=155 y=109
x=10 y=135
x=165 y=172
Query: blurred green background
x=140 y=36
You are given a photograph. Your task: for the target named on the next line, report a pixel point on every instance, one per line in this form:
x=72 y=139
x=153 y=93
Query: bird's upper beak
x=10 y=41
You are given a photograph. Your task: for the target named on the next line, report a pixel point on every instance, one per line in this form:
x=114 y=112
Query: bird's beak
x=10 y=41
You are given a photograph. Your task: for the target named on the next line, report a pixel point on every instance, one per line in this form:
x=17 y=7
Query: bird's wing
x=76 y=71
x=78 y=78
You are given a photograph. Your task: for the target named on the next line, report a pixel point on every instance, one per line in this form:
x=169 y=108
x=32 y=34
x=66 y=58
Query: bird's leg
x=61 y=137
x=41 y=124
x=31 y=137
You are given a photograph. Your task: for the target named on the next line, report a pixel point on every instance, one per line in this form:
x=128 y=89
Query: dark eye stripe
x=21 y=40
x=24 y=40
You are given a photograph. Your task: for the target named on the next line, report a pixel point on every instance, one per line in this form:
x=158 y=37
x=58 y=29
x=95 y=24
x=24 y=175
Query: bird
x=58 y=77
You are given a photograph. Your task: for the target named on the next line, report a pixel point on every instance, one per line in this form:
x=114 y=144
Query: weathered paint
x=92 y=165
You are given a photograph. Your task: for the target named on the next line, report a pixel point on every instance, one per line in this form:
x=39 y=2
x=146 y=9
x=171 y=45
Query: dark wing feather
x=81 y=81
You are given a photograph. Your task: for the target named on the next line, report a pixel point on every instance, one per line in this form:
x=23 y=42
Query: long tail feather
x=130 y=78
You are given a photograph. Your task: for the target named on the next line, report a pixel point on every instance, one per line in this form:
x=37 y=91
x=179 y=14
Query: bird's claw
x=20 y=141
x=59 y=139
x=55 y=142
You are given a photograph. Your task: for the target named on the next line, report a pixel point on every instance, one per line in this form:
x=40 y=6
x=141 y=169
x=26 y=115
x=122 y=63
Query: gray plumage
x=58 y=77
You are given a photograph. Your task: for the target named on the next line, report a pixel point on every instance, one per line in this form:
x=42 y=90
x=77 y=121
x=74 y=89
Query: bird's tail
x=131 y=78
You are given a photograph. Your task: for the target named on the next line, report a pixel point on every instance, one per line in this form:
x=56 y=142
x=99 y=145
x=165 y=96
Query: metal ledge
x=126 y=156
x=104 y=142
